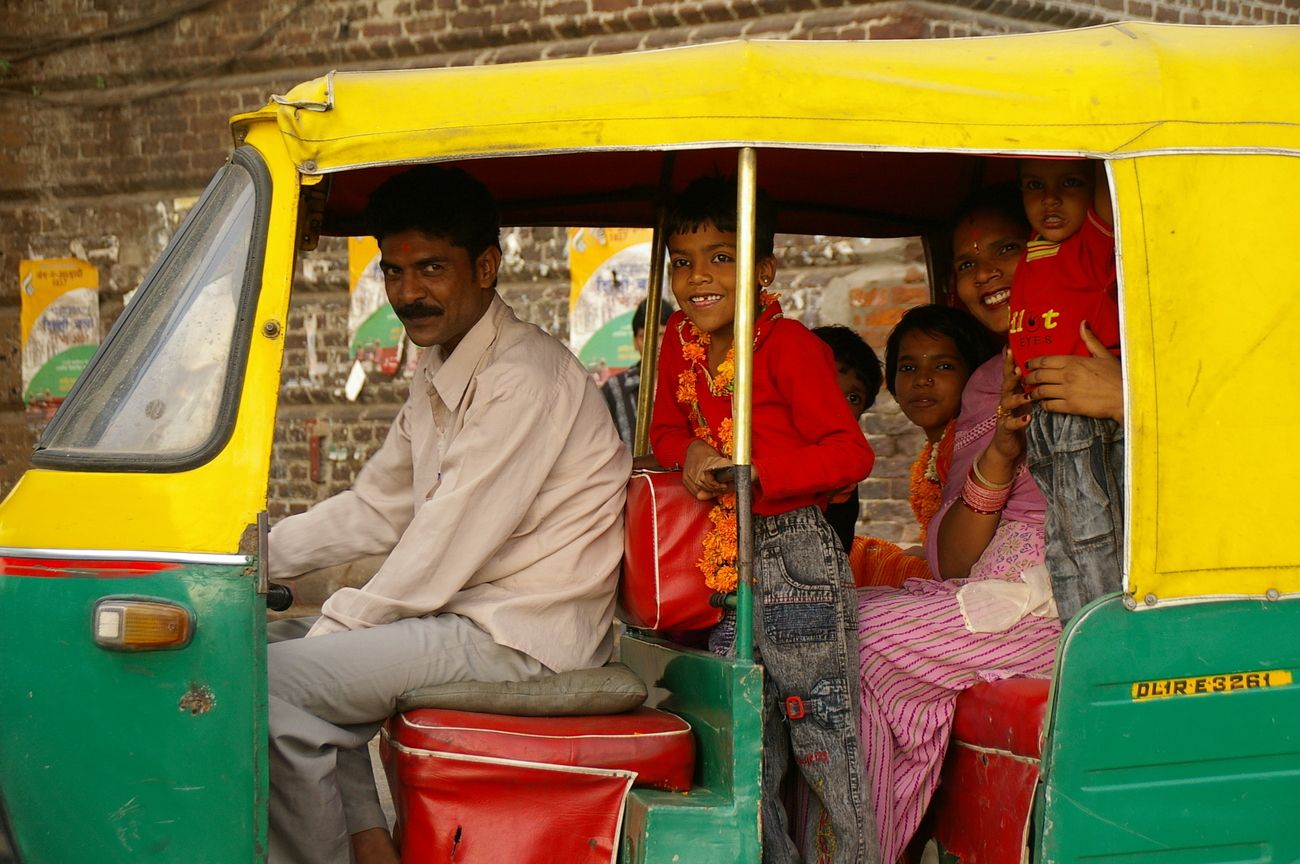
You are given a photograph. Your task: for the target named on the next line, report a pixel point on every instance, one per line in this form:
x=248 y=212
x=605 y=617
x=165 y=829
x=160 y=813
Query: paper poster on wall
x=375 y=334
x=60 y=328
x=609 y=271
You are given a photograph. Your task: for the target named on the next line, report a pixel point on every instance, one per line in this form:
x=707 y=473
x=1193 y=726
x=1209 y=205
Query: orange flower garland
x=926 y=487
x=718 y=558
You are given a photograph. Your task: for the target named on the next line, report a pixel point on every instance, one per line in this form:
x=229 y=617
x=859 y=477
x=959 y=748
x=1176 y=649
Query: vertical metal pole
x=645 y=396
x=742 y=396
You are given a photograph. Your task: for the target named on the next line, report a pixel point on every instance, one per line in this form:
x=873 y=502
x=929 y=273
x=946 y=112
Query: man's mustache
x=417 y=310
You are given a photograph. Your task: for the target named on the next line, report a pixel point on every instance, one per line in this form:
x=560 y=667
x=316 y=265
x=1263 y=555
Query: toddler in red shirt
x=1068 y=281
x=806 y=446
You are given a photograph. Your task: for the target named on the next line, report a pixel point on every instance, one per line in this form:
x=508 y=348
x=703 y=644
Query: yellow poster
x=60 y=327
x=609 y=273
x=375 y=335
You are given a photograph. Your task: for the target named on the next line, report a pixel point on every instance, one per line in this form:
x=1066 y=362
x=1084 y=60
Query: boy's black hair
x=853 y=354
x=975 y=343
x=1001 y=198
x=713 y=200
x=441 y=202
x=638 y=317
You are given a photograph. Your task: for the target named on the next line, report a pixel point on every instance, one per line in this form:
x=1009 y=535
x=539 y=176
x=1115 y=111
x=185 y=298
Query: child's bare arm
x=1101 y=202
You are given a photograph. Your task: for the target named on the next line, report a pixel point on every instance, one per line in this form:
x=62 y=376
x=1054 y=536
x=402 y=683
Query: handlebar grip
x=278 y=597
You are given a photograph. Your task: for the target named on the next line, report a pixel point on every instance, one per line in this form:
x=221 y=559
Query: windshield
x=156 y=394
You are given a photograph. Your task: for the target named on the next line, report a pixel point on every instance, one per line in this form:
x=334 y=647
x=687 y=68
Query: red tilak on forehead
x=406 y=247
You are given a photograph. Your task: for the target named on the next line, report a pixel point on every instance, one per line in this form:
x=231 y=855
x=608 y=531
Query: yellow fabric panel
x=205 y=509
x=1211 y=285
x=1114 y=89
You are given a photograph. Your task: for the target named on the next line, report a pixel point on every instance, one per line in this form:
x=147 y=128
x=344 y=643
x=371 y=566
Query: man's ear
x=765 y=270
x=486 y=267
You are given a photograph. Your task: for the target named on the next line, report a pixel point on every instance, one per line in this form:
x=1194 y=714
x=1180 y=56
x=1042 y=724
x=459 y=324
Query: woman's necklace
x=926 y=487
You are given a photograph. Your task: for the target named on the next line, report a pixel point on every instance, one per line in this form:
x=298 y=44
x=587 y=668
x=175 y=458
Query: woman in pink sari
x=924 y=643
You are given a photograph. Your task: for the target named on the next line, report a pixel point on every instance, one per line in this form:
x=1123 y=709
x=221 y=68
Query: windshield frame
x=93 y=459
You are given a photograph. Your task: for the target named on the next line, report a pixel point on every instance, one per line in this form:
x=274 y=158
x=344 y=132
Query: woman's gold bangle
x=986 y=482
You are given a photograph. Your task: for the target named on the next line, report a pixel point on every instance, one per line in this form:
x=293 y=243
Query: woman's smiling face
x=986 y=249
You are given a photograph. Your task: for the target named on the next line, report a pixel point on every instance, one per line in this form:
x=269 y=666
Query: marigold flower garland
x=926 y=488
x=718 y=558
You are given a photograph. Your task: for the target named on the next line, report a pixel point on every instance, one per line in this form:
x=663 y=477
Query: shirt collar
x=449 y=378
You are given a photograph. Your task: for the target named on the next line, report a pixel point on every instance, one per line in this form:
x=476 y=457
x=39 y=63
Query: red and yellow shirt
x=1058 y=285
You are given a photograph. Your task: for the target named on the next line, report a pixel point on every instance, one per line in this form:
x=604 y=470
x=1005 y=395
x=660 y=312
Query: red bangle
x=971 y=507
x=985 y=501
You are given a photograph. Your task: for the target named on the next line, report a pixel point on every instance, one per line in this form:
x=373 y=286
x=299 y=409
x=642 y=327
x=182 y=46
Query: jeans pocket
x=830 y=701
x=797 y=584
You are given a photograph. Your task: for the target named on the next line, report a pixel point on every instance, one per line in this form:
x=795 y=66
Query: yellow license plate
x=1200 y=685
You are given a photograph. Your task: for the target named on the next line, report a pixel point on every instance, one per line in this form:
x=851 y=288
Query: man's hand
x=697 y=473
x=374 y=846
x=1088 y=386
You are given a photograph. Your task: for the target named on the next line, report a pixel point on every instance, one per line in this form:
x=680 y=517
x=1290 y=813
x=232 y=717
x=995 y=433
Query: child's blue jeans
x=1078 y=463
x=805 y=632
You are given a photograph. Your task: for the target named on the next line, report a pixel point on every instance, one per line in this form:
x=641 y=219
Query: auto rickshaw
x=132 y=581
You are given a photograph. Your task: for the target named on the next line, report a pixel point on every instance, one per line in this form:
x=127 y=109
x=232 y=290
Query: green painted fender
x=1174 y=735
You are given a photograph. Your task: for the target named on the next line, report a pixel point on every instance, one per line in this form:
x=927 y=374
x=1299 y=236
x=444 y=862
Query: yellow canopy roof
x=1115 y=90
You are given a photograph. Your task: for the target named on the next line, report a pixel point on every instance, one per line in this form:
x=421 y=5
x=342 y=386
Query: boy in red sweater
x=1065 y=291
x=806 y=446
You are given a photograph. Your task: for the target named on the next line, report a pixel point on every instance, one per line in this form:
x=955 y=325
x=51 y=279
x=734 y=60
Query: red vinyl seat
x=982 y=808
x=655 y=745
x=1003 y=715
x=487 y=788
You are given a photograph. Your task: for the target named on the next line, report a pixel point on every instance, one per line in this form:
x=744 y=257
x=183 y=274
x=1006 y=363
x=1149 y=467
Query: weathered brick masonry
x=116 y=117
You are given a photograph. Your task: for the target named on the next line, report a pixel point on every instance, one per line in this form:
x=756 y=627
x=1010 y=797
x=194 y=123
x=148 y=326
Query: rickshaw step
x=698 y=827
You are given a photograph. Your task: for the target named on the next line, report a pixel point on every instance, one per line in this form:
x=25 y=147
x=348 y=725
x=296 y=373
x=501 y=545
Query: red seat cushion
x=658 y=746
x=1003 y=715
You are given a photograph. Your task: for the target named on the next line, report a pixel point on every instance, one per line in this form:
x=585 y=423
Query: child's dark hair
x=853 y=354
x=1002 y=198
x=973 y=342
x=638 y=317
x=713 y=200
x=441 y=202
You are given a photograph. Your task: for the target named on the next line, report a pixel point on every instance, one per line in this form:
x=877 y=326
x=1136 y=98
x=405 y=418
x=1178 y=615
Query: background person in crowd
x=620 y=391
x=859 y=378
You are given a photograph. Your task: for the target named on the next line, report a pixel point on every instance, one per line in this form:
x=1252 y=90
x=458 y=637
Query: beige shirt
x=497 y=495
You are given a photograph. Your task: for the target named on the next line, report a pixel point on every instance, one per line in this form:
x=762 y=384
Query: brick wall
x=116 y=118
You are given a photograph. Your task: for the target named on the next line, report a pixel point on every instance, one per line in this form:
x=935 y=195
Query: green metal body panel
x=718 y=820
x=1194 y=777
x=109 y=756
